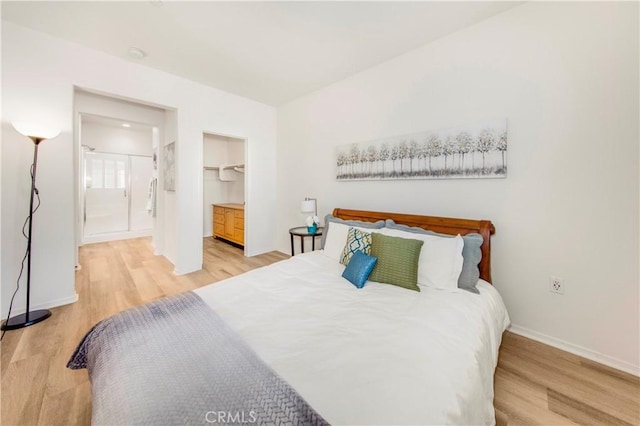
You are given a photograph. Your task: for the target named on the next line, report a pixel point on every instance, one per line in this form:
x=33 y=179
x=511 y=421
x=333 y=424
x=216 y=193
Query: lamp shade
x=34 y=130
x=308 y=206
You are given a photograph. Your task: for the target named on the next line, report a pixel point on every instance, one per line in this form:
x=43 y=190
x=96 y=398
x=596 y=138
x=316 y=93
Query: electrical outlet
x=556 y=285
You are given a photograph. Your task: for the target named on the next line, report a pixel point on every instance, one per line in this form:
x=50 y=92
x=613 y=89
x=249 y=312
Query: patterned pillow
x=357 y=240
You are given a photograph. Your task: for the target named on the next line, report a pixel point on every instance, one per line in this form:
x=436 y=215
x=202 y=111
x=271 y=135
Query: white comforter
x=377 y=355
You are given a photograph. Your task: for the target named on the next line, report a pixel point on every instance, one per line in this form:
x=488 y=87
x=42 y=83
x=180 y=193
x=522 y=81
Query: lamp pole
x=29 y=318
x=36 y=142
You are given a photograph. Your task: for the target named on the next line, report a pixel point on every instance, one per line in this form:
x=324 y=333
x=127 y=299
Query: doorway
x=116 y=172
x=224 y=189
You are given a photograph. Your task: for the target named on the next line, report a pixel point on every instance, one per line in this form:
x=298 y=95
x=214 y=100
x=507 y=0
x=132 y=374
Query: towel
x=151 y=196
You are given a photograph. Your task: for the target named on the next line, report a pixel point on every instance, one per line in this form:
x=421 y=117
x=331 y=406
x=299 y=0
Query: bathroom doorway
x=117 y=178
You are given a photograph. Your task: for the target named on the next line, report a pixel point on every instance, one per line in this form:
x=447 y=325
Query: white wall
x=53 y=247
x=159 y=222
x=565 y=75
x=45 y=93
x=127 y=138
x=169 y=211
x=119 y=109
x=111 y=139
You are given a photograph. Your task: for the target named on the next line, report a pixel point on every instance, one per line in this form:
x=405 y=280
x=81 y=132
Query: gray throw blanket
x=175 y=361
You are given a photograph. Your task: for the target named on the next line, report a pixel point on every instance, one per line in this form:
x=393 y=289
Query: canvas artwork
x=169 y=166
x=470 y=151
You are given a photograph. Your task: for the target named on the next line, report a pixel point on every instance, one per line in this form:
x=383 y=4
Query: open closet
x=224 y=188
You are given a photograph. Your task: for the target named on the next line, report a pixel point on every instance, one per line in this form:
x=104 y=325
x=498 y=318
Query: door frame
x=110 y=108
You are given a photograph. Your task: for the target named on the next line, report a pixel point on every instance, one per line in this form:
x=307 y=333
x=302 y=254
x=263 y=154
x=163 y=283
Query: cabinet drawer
x=238 y=223
x=218 y=217
x=239 y=214
x=218 y=229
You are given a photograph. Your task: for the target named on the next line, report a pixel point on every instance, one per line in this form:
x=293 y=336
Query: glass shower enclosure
x=116 y=194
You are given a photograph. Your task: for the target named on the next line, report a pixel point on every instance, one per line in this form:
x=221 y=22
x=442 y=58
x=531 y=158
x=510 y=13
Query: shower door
x=116 y=190
x=106 y=179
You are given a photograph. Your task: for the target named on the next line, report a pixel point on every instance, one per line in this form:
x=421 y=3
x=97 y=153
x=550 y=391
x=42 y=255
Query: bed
x=339 y=354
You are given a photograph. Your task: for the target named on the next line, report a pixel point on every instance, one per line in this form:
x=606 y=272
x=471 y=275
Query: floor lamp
x=37 y=134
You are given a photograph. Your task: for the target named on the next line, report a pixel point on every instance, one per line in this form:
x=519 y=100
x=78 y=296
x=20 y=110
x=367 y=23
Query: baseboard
x=48 y=305
x=577 y=350
x=156 y=250
x=179 y=272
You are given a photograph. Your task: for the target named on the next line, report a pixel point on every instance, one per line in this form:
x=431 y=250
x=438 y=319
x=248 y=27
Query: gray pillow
x=471 y=253
x=330 y=218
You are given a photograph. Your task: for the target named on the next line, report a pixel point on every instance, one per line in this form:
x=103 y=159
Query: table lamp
x=310 y=205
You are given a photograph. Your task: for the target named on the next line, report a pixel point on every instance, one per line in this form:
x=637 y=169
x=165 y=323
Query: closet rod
x=235 y=166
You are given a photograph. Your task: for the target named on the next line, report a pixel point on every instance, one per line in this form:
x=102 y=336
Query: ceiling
x=272 y=52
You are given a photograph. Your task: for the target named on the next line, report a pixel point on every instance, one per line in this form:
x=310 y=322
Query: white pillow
x=440 y=260
x=337 y=239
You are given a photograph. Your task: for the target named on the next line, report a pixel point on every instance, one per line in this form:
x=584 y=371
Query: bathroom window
x=106 y=174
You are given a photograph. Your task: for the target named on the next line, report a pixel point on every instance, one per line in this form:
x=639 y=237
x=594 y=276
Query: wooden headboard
x=443 y=225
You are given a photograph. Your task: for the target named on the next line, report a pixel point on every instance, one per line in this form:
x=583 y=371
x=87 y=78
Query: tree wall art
x=471 y=151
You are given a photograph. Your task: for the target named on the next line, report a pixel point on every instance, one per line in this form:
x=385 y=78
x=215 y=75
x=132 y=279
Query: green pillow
x=357 y=240
x=397 y=260
x=471 y=254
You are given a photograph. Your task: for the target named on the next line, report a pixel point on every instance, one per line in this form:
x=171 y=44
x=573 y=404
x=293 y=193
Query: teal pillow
x=471 y=253
x=359 y=268
x=397 y=260
x=357 y=240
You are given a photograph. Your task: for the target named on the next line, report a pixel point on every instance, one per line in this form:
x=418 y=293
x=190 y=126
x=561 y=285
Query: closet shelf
x=229 y=167
x=225 y=172
x=233 y=167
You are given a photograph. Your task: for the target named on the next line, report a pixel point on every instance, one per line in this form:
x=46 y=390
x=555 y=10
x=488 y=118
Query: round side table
x=301 y=231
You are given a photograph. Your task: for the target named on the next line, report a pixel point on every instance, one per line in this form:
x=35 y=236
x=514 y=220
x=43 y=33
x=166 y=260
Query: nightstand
x=301 y=231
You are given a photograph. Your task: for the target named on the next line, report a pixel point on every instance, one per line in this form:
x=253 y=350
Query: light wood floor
x=535 y=384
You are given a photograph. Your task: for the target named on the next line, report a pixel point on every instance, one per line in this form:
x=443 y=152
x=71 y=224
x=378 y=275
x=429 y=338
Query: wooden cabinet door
x=229 y=217
x=218 y=229
x=238 y=236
